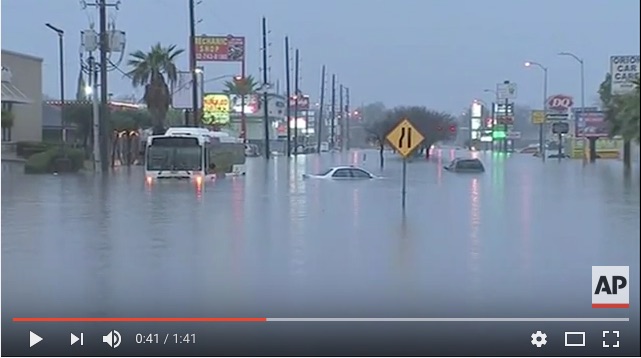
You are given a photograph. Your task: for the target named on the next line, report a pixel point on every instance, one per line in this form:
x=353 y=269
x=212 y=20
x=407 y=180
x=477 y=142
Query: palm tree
x=154 y=70
x=240 y=87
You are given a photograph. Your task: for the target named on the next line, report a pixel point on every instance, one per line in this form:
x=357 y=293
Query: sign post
x=404 y=138
x=506 y=92
x=558 y=113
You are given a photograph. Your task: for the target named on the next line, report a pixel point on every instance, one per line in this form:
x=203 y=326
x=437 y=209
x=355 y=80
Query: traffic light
x=453 y=128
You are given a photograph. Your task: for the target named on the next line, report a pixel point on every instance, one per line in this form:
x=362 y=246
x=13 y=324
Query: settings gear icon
x=539 y=339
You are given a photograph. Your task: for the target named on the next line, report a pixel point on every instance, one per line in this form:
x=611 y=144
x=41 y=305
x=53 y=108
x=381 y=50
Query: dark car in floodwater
x=460 y=165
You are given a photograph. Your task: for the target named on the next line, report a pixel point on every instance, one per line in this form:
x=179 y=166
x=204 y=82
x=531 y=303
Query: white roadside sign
x=506 y=91
x=624 y=70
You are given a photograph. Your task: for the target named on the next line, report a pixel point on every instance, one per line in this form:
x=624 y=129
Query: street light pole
x=63 y=106
x=592 y=141
x=266 y=123
x=545 y=104
x=192 y=64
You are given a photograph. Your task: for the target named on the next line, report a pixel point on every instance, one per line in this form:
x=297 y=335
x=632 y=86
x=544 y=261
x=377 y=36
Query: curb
x=14 y=160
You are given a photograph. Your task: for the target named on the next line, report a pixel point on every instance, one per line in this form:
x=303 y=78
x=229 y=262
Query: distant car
x=557 y=156
x=529 y=150
x=342 y=172
x=302 y=149
x=459 y=165
x=252 y=150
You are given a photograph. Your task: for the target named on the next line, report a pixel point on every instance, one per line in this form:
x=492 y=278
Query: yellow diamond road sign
x=405 y=138
x=538 y=117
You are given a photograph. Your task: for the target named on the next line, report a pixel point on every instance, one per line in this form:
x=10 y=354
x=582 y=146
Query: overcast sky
x=437 y=53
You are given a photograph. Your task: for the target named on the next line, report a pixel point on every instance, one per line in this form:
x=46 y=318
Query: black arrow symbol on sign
x=409 y=138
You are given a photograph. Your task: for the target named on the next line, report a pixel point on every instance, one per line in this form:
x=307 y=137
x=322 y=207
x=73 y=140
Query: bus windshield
x=174 y=158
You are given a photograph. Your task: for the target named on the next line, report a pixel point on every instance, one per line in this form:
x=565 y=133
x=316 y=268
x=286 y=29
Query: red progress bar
x=139 y=319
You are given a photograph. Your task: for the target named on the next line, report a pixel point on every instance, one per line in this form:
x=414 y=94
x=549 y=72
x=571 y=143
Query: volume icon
x=112 y=338
x=75 y=339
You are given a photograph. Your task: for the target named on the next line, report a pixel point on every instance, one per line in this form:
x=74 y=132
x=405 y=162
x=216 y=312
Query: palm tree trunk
x=627 y=154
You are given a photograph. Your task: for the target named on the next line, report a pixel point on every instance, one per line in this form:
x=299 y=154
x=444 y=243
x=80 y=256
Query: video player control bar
x=320 y=319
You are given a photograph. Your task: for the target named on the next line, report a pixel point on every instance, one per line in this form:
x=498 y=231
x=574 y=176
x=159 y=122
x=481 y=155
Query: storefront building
x=21 y=97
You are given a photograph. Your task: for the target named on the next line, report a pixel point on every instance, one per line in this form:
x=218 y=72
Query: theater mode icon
x=610 y=287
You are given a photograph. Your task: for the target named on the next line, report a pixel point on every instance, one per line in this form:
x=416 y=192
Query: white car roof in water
x=223 y=137
x=187 y=131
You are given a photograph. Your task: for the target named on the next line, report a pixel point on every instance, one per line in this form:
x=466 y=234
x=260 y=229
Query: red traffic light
x=453 y=128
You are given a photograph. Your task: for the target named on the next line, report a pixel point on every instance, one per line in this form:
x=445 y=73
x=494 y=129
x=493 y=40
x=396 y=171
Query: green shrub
x=26 y=149
x=45 y=162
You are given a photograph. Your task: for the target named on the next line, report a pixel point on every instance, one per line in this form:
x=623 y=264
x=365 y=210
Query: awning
x=12 y=94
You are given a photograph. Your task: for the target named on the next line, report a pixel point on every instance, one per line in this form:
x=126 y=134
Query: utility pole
x=104 y=92
x=107 y=43
x=321 y=118
x=93 y=75
x=288 y=108
x=296 y=94
x=192 y=64
x=265 y=96
x=341 y=119
x=333 y=114
x=347 y=119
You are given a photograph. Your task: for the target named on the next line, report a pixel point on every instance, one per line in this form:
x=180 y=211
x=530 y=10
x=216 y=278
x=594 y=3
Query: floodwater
x=518 y=240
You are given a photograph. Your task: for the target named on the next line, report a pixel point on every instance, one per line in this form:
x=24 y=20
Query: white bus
x=194 y=154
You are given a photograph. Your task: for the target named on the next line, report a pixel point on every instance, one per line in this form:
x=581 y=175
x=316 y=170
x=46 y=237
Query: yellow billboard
x=605 y=148
x=538 y=117
x=216 y=108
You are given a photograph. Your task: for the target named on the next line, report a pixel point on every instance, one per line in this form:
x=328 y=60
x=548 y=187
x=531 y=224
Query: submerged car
x=342 y=172
x=557 y=156
x=459 y=165
x=532 y=149
x=252 y=150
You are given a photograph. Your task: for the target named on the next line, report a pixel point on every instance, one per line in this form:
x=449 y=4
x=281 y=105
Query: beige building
x=22 y=96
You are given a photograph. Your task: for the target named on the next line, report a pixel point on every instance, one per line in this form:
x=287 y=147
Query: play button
x=34 y=339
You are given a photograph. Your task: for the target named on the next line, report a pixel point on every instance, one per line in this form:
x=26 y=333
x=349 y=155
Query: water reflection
x=475 y=243
x=526 y=215
x=297 y=213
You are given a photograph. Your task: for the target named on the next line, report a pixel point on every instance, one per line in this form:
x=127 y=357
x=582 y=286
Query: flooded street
x=518 y=240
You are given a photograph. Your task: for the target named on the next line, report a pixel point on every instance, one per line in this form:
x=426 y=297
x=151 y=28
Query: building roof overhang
x=11 y=94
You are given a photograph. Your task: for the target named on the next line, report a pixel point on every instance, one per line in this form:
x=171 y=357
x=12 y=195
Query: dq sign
x=560 y=103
